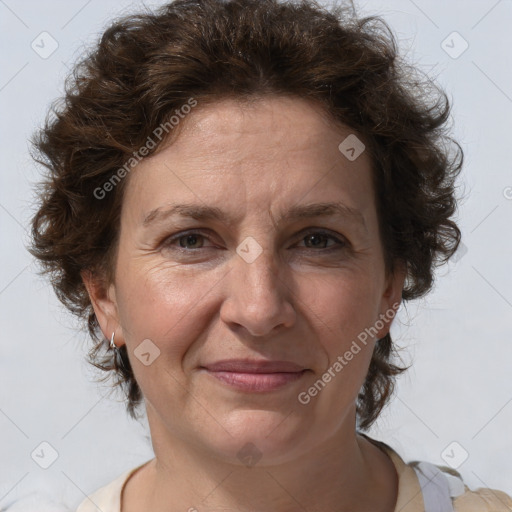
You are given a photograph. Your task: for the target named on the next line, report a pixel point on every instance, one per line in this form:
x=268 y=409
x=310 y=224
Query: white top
x=108 y=498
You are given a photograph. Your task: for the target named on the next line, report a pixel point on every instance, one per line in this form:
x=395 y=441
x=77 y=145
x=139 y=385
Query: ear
x=391 y=298
x=103 y=300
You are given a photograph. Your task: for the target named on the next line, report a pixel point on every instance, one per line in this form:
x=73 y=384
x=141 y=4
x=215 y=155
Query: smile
x=256 y=382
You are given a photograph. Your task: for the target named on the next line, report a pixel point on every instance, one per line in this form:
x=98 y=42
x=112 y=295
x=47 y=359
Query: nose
x=258 y=297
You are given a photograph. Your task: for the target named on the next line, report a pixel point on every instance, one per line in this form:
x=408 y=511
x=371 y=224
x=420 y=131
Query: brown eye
x=320 y=239
x=193 y=240
x=186 y=241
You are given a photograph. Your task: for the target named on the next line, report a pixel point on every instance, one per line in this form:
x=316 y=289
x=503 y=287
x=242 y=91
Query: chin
x=259 y=438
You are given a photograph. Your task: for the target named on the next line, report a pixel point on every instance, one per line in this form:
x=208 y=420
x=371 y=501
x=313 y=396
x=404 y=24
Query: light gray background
x=458 y=337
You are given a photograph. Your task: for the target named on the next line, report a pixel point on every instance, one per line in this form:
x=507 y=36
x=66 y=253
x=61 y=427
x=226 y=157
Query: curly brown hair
x=146 y=66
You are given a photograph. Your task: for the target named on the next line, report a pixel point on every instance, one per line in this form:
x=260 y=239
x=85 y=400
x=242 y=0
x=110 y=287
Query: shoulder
x=482 y=499
x=105 y=499
x=423 y=486
x=464 y=499
x=108 y=497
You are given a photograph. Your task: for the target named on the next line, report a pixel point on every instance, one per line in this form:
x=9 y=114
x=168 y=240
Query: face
x=263 y=269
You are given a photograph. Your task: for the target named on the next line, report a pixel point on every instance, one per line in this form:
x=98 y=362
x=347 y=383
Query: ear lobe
x=103 y=302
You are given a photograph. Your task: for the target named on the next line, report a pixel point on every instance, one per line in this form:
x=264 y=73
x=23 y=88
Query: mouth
x=255 y=376
x=256 y=382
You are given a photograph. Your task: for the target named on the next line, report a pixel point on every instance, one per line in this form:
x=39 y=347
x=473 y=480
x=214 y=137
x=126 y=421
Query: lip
x=255 y=375
x=254 y=366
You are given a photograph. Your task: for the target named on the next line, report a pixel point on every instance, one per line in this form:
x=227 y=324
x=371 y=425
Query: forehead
x=231 y=117
x=275 y=149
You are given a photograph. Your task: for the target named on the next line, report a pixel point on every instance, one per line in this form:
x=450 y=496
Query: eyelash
x=341 y=242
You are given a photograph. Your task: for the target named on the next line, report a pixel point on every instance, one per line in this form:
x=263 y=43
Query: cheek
x=172 y=308
x=343 y=308
x=165 y=304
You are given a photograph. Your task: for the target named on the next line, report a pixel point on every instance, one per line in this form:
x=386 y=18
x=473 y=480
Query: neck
x=342 y=473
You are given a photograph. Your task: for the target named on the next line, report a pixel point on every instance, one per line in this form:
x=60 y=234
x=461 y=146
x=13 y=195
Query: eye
x=191 y=240
x=186 y=241
x=318 y=239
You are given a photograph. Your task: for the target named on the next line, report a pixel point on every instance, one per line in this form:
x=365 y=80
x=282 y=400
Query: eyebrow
x=296 y=212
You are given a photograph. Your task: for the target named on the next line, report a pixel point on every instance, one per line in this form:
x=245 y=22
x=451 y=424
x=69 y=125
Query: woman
x=240 y=195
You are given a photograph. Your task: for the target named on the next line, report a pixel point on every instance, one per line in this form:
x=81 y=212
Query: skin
x=300 y=300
